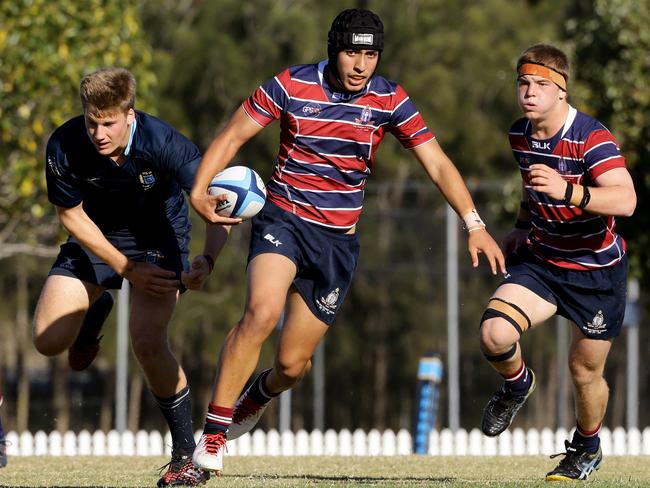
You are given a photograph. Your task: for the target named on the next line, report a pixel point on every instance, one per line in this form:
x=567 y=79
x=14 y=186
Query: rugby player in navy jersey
x=303 y=248
x=116 y=177
x=565 y=256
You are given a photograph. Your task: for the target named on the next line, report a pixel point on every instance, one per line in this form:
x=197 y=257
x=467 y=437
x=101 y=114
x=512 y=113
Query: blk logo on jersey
x=546 y=146
x=147 y=179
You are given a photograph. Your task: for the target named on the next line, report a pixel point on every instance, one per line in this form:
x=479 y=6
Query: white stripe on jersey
x=406 y=120
x=600 y=144
x=604 y=161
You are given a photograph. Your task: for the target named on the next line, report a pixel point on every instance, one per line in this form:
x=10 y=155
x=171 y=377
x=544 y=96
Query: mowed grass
x=270 y=472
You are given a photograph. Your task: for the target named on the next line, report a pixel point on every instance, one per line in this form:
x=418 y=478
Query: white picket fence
x=344 y=443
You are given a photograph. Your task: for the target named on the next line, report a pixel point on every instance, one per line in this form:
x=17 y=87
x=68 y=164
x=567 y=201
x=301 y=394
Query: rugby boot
x=245 y=416
x=182 y=472
x=86 y=346
x=208 y=453
x=502 y=408
x=577 y=464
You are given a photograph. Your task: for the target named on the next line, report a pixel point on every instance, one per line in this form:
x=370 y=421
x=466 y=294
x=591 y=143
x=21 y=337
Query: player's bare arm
x=240 y=128
x=613 y=194
x=150 y=277
x=450 y=183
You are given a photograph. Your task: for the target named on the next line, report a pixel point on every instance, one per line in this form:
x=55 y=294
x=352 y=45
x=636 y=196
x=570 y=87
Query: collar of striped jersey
x=336 y=94
x=544 y=72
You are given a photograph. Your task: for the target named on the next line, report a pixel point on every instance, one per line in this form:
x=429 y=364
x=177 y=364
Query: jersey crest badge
x=147 y=179
x=365 y=121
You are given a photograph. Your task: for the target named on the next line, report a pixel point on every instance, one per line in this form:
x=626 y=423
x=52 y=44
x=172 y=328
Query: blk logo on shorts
x=273 y=240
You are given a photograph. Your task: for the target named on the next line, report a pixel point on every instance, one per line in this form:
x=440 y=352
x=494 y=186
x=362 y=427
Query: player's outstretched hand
x=151 y=278
x=479 y=241
x=198 y=273
x=206 y=206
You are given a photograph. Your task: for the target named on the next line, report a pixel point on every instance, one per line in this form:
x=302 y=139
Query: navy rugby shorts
x=594 y=300
x=325 y=260
x=77 y=262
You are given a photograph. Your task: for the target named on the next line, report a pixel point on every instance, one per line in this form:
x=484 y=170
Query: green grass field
x=269 y=472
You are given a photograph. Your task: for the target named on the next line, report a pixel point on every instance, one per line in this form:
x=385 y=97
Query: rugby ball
x=244 y=189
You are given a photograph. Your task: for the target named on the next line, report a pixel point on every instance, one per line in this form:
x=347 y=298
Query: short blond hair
x=546 y=55
x=107 y=90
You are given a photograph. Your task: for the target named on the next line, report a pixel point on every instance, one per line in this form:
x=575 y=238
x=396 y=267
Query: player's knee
x=46 y=347
x=496 y=336
x=502 y=325
x=46 y=342
x=148 y=349
x=258 y=322
x=583 y=373
x=292 y=368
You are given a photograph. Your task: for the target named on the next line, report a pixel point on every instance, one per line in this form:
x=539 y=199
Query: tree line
x=195 y=62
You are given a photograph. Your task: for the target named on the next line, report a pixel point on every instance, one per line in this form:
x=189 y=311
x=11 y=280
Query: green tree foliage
x=46 y=47
x=456 y=61
x=611 y=40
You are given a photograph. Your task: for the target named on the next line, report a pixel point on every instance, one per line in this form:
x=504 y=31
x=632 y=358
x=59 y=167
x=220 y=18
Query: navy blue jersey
x=142 y=197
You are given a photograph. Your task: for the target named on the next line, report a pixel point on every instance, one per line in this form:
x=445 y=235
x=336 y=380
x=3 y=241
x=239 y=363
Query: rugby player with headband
x=564 y=255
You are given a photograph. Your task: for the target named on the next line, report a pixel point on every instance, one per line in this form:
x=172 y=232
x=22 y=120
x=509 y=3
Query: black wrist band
x=586 y=196
x=523 y=224
x=568 y=193
x=210 y=261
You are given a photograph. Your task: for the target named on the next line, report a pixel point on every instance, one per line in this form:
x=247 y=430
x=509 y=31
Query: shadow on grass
x=347 y=479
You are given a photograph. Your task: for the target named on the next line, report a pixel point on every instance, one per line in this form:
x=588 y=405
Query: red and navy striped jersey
x=565 y=235
x=328 y=140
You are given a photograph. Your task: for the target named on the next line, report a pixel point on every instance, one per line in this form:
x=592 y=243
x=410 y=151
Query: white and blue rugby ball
x=244 y=189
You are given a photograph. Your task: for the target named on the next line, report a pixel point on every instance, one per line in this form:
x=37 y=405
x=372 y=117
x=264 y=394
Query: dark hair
x=355 y=28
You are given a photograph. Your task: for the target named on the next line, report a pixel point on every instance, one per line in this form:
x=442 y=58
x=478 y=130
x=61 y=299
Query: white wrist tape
x=472 y=221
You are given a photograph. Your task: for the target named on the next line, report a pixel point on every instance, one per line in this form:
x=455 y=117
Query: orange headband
x=544 y=72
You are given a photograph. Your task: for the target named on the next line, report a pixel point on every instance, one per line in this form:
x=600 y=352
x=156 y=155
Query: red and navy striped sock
x=218 y=419
x=587 y=439
x=519 y=382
